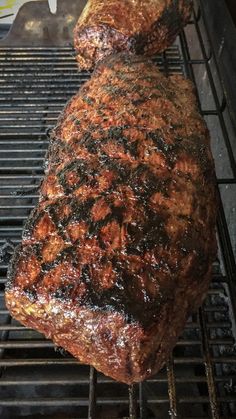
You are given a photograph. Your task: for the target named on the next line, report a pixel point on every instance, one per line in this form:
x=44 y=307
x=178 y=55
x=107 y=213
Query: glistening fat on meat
x=119 y=250
x=140 y=27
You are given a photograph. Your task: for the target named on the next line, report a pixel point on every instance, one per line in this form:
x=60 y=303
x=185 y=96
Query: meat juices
x=118 y=253
x=140 y=27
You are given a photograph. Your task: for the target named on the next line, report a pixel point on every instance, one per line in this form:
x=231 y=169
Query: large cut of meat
x=119 y=250
x=141 y=27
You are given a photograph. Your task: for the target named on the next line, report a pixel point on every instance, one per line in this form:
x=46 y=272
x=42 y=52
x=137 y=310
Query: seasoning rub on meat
x=119 y=250
x=141 y=27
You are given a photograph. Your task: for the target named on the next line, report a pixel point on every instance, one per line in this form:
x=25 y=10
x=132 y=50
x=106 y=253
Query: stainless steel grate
x=37 y=379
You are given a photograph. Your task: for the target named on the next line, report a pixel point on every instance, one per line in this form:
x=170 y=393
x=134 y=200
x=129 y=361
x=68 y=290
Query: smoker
x=38 y=74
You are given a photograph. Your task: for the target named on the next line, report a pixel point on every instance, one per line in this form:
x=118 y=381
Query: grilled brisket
x=141 y=27
x=119 y=250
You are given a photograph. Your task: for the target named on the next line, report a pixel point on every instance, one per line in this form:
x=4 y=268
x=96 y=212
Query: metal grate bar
x=92 y=394
x=142 y=402
x=106 y=401
x=52 y=361
x=104 y=380
x=132 y=402
x=209 y=368
x=171 y=388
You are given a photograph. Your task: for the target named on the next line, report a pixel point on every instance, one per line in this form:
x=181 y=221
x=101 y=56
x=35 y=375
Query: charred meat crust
x=124 y=232
x=124 y=351
x=150 y=28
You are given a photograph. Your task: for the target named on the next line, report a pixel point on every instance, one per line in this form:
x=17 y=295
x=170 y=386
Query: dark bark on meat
x=119 y=250
x=140 y=27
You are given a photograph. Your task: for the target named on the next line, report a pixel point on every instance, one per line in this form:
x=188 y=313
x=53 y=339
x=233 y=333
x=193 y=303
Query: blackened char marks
x=115 y=134
x=137 y=27
x=124 y=298
x=73 y=175
x=149 y=235
x=118 y=252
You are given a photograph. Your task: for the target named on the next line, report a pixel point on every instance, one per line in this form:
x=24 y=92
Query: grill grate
x=199 y=380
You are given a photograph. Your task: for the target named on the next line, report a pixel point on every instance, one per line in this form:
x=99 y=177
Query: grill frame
x=22 y=135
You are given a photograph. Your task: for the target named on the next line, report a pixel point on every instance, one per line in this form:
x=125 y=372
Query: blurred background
x=9 y=8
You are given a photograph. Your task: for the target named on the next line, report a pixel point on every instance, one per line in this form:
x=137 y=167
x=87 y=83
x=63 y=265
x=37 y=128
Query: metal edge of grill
x=199 y=380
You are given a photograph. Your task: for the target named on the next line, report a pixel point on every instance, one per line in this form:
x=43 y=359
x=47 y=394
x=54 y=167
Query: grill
x=37 y=379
